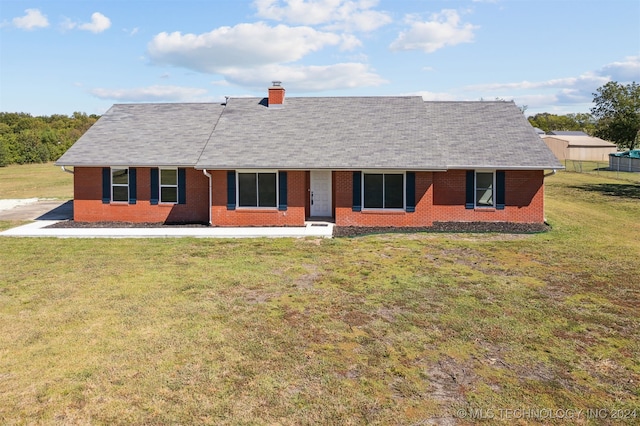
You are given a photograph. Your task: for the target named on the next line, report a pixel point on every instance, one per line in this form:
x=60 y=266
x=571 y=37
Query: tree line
x=27 y=139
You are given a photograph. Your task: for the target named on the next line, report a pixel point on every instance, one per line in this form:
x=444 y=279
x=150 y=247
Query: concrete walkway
x=48 y=212
x=37 y=229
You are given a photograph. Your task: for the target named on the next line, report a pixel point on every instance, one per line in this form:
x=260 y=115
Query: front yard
x=382 y=329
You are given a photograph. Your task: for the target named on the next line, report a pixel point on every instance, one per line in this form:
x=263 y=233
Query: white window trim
x=160 y=185
x=475 y=189
x=119 y=185
x=385 y=172
x=277 y=173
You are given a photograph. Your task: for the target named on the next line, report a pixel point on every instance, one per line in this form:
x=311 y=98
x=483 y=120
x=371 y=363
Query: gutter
x=207 y=174
x=553 y=172
x=65 y=170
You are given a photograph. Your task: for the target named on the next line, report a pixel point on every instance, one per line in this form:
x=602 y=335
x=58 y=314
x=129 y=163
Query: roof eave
x=495 y=167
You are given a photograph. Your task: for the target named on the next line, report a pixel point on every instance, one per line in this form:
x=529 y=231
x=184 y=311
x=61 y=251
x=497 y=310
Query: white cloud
x=251 y=54
x=98 y=24
x=623 y=71
x=152 y=94
x=349 y=15
x=244 y=45
x=349 y=42
x=302 y=78
x=584 y=81
x=67 y=24
x=443 y=29
x=573 y=92
x=32 y=19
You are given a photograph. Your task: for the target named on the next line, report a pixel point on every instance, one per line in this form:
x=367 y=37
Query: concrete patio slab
x=48 y=212
x=39 y=229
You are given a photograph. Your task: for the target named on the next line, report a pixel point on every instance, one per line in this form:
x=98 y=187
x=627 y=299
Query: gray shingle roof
x=329 y=133
x=314 y=133
x=145 y=135
x=487 y=135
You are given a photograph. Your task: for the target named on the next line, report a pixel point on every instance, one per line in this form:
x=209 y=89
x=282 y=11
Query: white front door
x=321 y=193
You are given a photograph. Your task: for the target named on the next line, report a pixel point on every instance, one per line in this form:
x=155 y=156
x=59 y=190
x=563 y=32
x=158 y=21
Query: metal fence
x=604 y=169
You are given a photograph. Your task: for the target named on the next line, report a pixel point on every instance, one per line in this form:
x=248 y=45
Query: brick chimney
x=276 y=95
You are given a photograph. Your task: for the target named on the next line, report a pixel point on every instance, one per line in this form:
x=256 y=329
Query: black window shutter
x=133 y=190
x=500 y=183
x=282 y=188
x=155 y=186
x=470 y=199
x=106 y=185
x=231 y=190
x=411 y=192
x=182 y=186
x=357 y=191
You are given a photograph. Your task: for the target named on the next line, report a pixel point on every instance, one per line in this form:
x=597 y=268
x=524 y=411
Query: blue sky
x=58 y=56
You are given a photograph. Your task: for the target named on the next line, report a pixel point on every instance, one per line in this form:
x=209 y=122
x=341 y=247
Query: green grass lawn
x=384 y=329
x=35 y=181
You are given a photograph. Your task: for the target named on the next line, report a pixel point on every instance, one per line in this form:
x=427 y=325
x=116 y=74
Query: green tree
x=550 y=122
x=28 y=139
x=617 y=109
x=5 y=158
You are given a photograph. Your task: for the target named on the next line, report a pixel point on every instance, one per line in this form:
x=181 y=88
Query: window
x=120 y=185
x=257 y=189
x=168 y=185
x=383 y=190
x=485 y=184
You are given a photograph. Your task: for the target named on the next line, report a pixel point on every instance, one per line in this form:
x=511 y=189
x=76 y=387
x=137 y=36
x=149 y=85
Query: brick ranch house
x=357 y=161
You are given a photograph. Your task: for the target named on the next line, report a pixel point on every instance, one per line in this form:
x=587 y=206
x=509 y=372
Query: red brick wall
x=440 y=197
x=345 y=216
x=293 y=216
x=88 y=206
x=524 y=198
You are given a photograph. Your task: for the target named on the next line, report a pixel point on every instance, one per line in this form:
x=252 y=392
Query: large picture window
x=485 y=184
x=120 y=185
x=168 y=185
x=257 y=189
x=383 y=190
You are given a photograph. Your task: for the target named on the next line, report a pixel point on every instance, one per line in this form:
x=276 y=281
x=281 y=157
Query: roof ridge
x=213 y=129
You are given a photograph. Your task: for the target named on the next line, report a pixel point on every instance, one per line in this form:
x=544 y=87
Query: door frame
x=329 y=173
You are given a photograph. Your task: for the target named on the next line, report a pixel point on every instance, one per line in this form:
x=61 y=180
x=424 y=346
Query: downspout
x=209 y=176
x=553 y=172
x=65 y=170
